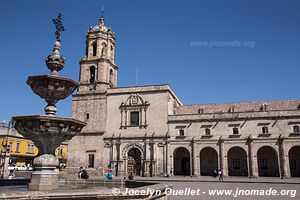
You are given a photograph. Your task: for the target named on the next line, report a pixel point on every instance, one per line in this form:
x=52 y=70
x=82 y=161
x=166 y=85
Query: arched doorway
x=267 y=162
x=134 y=164
x=208 y=161
x=181 y=161
x=294 y=159
x=237 y=162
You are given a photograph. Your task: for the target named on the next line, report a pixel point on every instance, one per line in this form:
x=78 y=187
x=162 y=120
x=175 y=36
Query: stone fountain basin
x=46 y=131
x=89 y=189
x=51 y=87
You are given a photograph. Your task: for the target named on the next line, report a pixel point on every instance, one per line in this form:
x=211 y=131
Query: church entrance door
x=134 y=164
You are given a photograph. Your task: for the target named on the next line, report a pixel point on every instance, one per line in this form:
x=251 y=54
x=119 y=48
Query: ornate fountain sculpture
x=49 y=131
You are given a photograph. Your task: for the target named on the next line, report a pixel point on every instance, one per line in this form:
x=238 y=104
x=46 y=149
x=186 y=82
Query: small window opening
x=207 y=131
x=235 y=131
x=296 y=129
x=91 y=161
x=181 y=132
x=265 y=129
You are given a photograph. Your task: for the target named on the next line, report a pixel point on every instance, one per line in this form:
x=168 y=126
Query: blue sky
x=155 y=39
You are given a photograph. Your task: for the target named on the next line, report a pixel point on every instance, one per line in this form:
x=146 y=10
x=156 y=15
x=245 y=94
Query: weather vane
x=59 y=26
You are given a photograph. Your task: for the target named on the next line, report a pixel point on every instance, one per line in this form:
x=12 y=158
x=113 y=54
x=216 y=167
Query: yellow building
x=22 y=151
x=61 y=152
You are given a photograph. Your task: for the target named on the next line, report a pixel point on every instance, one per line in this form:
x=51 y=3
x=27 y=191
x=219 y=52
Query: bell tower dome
x=98 y=70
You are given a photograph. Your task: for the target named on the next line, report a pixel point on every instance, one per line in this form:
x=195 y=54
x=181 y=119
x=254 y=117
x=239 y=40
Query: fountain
x=49 y=131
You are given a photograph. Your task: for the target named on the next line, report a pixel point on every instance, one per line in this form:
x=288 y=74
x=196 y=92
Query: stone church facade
x=147 y=130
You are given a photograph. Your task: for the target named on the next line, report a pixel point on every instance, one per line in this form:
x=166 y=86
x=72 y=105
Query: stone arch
x=127 y=147
x=208 y=161
x=134 y=161
x=237 y=161
x=181 y=161
x=94 y=48
x=267 y=162
x=92 y=74
x=294 y=160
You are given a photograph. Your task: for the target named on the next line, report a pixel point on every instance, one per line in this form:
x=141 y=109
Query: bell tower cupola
x=98 y=70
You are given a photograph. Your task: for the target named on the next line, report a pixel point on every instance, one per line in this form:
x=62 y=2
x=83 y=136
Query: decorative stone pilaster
x=152 y=159
x=146 y=159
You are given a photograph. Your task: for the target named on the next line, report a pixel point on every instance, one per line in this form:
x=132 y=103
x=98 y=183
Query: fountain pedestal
x=45 y=177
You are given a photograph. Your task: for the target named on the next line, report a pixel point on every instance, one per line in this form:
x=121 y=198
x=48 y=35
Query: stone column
x=163 y=146
x=166 y=163
x=146 y=159
x=280 y=158
x=286 y=161
x=125 y=164
x=122 y=113
x=254 y=160
x=126 y=117
x=222 y=158
x=249 y=157
x=193 y=158
x=111 y=156
x=145 y=114
x=196 y=160
x=118 y=143
x=170 y=160
x=151 y=158
x=141 y=123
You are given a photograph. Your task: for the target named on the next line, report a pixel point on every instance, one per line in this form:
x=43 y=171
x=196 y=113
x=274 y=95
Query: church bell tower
x=98 y=70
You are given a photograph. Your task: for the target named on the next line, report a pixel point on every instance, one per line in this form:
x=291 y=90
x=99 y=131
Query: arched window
x=111 y=76
x=94 y=48
x=92 y=74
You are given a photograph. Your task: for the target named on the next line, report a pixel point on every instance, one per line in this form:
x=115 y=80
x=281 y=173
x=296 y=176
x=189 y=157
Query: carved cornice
x=136 y=138
x=93 y=60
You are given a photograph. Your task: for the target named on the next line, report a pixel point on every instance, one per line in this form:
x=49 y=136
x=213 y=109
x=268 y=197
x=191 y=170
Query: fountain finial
x=59 y=26
x=55 y=62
